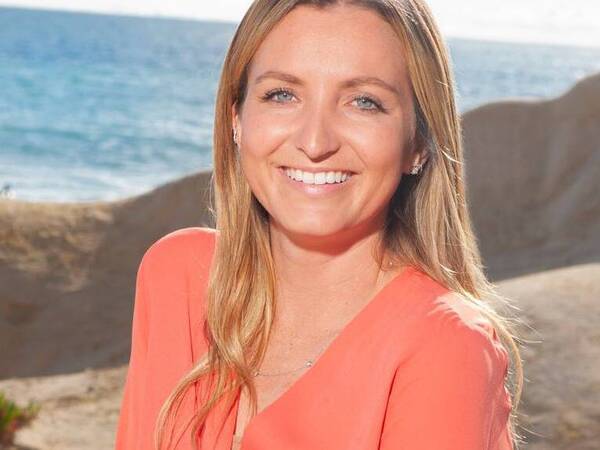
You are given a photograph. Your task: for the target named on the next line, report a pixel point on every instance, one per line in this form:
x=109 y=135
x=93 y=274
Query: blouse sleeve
x=450 y=394
x=132 y=406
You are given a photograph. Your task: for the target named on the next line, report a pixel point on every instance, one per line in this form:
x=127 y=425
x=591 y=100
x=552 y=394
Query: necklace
x=308 y=363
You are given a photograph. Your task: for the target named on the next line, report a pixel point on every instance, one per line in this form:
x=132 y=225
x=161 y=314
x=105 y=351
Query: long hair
x=427 y=224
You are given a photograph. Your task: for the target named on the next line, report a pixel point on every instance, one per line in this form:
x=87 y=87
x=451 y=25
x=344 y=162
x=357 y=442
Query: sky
x=570 y=22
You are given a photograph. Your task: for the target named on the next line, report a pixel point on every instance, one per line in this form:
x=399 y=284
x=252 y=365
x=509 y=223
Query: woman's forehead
x=339 y=42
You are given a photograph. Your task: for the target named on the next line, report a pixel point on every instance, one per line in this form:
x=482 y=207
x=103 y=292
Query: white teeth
x=308 y=177
x=320 y=178
x=317 y=178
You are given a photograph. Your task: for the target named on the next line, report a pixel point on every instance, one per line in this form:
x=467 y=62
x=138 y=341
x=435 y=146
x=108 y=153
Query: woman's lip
x=315 y=190
x=317 y=171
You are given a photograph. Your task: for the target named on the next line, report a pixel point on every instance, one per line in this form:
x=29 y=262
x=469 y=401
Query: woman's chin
x=310 y=227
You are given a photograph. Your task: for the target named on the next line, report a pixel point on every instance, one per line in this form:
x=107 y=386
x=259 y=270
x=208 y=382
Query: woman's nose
x=316 y=136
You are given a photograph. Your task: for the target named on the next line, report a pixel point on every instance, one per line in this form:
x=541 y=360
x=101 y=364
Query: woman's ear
x=236 y=129
x=417 y=156
x=234 y=117
x=420 y=157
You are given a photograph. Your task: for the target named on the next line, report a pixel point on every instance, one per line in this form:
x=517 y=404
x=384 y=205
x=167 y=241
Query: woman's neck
x=319 y=284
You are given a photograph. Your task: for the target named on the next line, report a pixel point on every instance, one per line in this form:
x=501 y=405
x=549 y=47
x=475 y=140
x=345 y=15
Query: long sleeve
x=132 y=405
x=450 y=394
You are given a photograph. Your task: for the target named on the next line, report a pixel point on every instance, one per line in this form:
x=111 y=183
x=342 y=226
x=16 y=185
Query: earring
x=416 y=169
x=235 y=136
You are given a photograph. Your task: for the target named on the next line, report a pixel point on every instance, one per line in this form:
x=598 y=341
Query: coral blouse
x=413 y=370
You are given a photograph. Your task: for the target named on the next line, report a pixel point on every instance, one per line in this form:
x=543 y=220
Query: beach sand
x=67 y=275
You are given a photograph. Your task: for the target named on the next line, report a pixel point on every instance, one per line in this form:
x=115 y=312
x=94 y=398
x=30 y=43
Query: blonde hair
x=428 y=223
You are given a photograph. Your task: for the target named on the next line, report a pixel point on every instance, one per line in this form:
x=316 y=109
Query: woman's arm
x=132 y=405
x=450 y=394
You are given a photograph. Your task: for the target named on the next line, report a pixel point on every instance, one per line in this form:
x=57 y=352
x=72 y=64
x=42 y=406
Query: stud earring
x=416 y=169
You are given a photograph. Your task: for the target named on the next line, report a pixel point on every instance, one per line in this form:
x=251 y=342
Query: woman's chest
x=269 y=389
x=333 y=401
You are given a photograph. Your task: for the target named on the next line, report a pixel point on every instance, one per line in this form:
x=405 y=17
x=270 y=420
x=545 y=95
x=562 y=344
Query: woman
x=339 y=302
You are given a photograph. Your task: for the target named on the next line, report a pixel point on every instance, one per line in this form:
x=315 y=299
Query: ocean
x=99 y=107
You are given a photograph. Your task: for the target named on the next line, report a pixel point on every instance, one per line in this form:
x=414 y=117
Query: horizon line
x=142 y=15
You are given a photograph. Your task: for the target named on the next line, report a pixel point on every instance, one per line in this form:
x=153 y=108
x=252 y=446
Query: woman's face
x=328 y=91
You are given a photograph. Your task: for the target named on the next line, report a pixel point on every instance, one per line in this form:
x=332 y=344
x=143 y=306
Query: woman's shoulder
x=455 y=362
x=172 y=278
x=180 y=248
x=452 y=321
x=458 y=329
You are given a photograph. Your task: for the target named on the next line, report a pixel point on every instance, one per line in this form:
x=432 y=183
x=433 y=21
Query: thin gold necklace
x=308 y=363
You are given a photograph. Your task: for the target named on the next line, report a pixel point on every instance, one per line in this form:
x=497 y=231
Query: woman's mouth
x=324 y=177
x=317 y=184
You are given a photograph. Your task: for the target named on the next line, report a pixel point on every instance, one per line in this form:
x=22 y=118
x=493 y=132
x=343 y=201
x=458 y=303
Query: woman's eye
x=276 y=93
x=375 y=105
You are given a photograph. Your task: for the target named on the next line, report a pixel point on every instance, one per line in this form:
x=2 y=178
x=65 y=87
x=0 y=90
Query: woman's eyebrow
x=350 y=83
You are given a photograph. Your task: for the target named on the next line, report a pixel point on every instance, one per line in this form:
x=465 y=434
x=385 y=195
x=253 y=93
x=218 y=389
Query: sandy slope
x=67 y=274
x=80 y=410
x=562 y=361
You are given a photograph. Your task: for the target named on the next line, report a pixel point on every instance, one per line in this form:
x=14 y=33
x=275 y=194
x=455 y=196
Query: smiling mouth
x=323 y=177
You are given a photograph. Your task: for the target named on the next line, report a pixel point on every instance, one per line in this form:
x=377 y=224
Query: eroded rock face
x=532 y=172
x=67 y=275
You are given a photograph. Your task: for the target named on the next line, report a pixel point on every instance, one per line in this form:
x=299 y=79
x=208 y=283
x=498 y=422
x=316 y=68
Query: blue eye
x=377 y=106
x=269 y=95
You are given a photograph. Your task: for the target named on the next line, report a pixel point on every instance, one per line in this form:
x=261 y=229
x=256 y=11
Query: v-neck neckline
x=325 y=354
